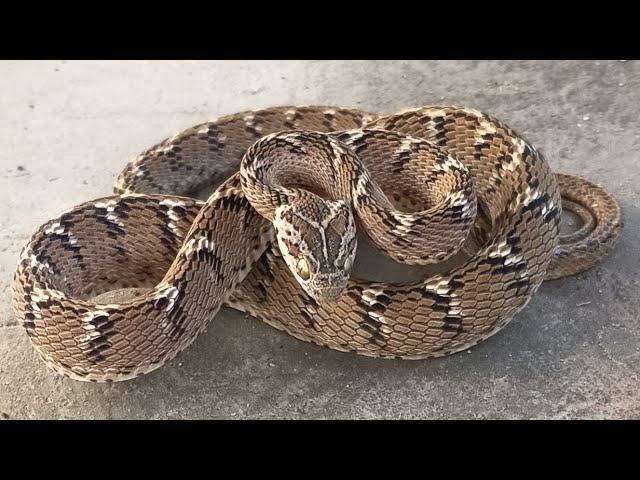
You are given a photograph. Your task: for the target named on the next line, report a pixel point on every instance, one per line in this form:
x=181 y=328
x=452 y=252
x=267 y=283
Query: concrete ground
x=69 y=127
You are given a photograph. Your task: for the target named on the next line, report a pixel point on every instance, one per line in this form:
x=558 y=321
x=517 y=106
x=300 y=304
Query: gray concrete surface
x=68 y=128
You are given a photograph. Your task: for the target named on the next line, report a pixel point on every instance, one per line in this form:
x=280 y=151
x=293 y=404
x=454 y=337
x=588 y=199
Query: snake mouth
x=324 y=295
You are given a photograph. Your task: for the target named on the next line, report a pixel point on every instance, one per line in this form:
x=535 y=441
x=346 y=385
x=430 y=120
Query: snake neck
x=297 y=168
x=301 y=182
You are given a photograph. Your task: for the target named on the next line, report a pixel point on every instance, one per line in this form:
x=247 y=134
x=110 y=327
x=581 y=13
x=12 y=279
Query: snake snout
x=327 y=294
x=327 y=288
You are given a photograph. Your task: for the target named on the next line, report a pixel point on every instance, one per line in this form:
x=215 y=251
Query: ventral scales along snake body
x=278 y=238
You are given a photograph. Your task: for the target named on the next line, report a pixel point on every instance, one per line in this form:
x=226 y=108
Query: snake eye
x=348 y=264
x=303 y=268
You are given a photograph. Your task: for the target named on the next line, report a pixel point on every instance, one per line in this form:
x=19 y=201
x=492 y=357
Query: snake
x=277 y=238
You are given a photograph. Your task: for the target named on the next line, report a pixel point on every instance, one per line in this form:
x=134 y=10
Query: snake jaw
x=328 y=287
x=329 y=294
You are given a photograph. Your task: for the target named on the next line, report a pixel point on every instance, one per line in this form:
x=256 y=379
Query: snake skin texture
x=421 y=185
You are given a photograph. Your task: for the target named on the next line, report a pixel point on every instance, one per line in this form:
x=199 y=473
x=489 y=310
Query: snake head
x=317 y=239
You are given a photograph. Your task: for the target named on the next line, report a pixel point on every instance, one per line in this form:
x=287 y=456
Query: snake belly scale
x=277 y=238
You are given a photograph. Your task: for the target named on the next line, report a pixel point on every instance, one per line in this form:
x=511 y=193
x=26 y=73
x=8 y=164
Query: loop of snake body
x=277 y=238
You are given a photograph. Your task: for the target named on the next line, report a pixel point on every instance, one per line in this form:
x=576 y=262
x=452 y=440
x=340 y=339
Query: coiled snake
x=278 y=238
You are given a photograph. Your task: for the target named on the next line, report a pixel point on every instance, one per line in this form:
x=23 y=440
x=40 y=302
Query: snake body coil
x=277 y=239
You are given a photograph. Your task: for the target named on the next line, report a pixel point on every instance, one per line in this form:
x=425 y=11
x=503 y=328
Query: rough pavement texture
x=69 y=127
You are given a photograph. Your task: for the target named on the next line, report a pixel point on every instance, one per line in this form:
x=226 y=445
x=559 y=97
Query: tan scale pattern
x=418 y=174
